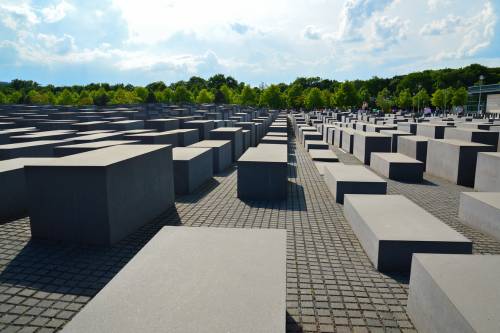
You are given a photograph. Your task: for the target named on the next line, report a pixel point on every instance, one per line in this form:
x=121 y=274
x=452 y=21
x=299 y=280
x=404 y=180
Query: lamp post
x=481 y=78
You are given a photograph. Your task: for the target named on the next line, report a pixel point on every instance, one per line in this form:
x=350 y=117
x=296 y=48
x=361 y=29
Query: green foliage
x=228 y=94
x=459 y=97
x=272 y=97
x=85 y=99
x=295 y=96
x=248 y=96
x=182 y=95
x=3 y=98
x=314 y=100
x=100 y=97
x=346 y=96
x=421 y=99
x=204 y=96
x=384 y=100
x=141 y=93
x=66 y=97
x=404 y=100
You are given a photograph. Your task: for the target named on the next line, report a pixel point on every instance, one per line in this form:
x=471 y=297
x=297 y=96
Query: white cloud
x=311 y=32
x=388 y=31
x=447 y=25
x=17 y=15
x=435 y=4
x=57 y=45
x=55 y=13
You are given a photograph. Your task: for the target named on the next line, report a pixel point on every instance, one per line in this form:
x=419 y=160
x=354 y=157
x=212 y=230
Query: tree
x=438 y=98
x=15 y=97
x=228 y=93
x=204 y=96
x=421 y=99
x=271 y=97
x=247 y=96
x=384 y=100
x=448 y=96
x=182 y=95
x=404 y=100
x=326 y=97
x=100 y=97
x=314 y=99
x=459 y=97
x=66 y=97
x=123 y=96
x=164 y=96
x=85 y=98
x=294 y=96
x=142 y=93
x=364 y=95
x=3 y=98
x=151 y=97
x=346 y=95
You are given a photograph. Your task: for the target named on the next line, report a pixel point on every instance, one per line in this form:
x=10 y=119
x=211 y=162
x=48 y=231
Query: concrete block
x=192 y=168
x=222 y=154
x=43 y=136
x=397 y=167
x=432 y=131
x=7 y=133
x=30 y=149
x=250 y=126
x=481 y=211
x=13 y=194
x=203 y=126
x=366 y=143
x=97 y=137
x=310 y=136
x=262 y=173
x=394 y=134
x=247 y=139
x=337 y=136
x=162 y=125
x=472 y=135
x=126 y=125
x=487 y=172
x=344 y=179
x=408 y=127
x=185 y=137
x=113 y=191
x=315 y=145
x=190 y=280
x=233 y=134
x=347 y=140
x=323 y=155
x=452 y=293
x=414 y=147
x=149 y=138
x=90 y=125
x=391 y=228
x=274 y=139
x=454 y=160
x=72 y=149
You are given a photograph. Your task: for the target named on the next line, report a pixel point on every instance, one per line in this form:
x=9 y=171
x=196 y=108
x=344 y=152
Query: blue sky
x=68 y=42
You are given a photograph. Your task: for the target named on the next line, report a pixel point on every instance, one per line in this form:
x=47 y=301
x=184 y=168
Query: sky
x=66 y=42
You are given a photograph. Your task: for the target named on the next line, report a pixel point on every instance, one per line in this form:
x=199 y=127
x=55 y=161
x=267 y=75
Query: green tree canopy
x=404 y=100
x=182 y=95
x=384 y=100
x=272 y=97
x=204 y=96
x=314 y=100
x=459 y=97
x=247 y=96
x=294 y=96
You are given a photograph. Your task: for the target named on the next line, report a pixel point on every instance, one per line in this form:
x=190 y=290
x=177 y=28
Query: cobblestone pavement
x=331 y=284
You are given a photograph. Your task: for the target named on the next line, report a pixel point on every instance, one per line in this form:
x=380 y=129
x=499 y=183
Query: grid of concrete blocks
x=216 y=218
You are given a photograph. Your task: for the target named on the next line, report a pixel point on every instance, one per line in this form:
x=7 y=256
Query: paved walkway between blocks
x=331 y=284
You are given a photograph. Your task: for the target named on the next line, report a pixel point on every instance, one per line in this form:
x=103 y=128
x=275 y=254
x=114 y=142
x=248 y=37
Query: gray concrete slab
x=323 y=155
x=315 y=144
x=100 y=196
x=190 y=280
x=192 y=168
x=271 y=139
x=366 y=143
x=203 y=126
x=13 y=196
x=391 y=228
x=234 y=134
x=454 y=160
x=186 y=137
x=61 y=151
x=487 y=172
x=344 y=179
x=394 y=134
x=414 y=147
x=126 y=125
x=347 y=143
x=481 y=211
x=455 y=293
x=7 y=133
x=472 y=135
x=167 y=137
x=43 y=136
x=162 y=125
x=432 y=131
x=397 y=167
x=222 y=154
x=42 y=148
x=90 y=125
x=262 y=173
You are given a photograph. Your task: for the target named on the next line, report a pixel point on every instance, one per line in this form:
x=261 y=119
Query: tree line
x=443 y=89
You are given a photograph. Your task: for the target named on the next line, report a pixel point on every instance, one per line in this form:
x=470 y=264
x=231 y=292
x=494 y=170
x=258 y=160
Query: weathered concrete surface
x=487 y=172
x=481 y=211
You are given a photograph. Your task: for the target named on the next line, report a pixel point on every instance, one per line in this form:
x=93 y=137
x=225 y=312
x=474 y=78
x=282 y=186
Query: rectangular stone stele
x=414 y=146
x=395 y=135
x=481 y=210
x=487 y=172
x=13 y=197
x=262 y=173
x=61 y=151
x=162 y=125
x=313 y=144
x=272 y=139
x=454 y=160
x=391 y=228
x=322 y=155
x=42 y=148
x=472 y=135
x=366 y=143
x=343 y=179
x=192 y=168
x=397 y=167
x=195 y=279
x=100 y=196
x=455 y=293
x=221 y=150
x=234 y=134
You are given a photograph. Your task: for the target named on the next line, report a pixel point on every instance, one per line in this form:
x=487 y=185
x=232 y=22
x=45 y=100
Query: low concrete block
x=432 y=131
x=61 y=151
x=30 y=149
x=397 y=167
x=454 y=160
x=43 y=136
x=247 y=139
x=323 y=155
x=192 y=168
x=233 y=134
x=203 y=126
x=391 y=228
x=149 y=138
x=344 y=179
x=271 y=139
x=7 y=133
x=487 y=172
x=472 y=135
x=414 y=147
x=126 y=125
x=394 y=134
x=366 y=143
x=222 y=154
x=13 y=194
x=191 y=281
x=455 y=293
x=90 y=125
x=312 y=136
x=481 y=211
x=315 y=145
x=162 y=125
x=185 y=137
x=408 y=127
x=113 y=191
x=347 y=140
x=262 y=173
